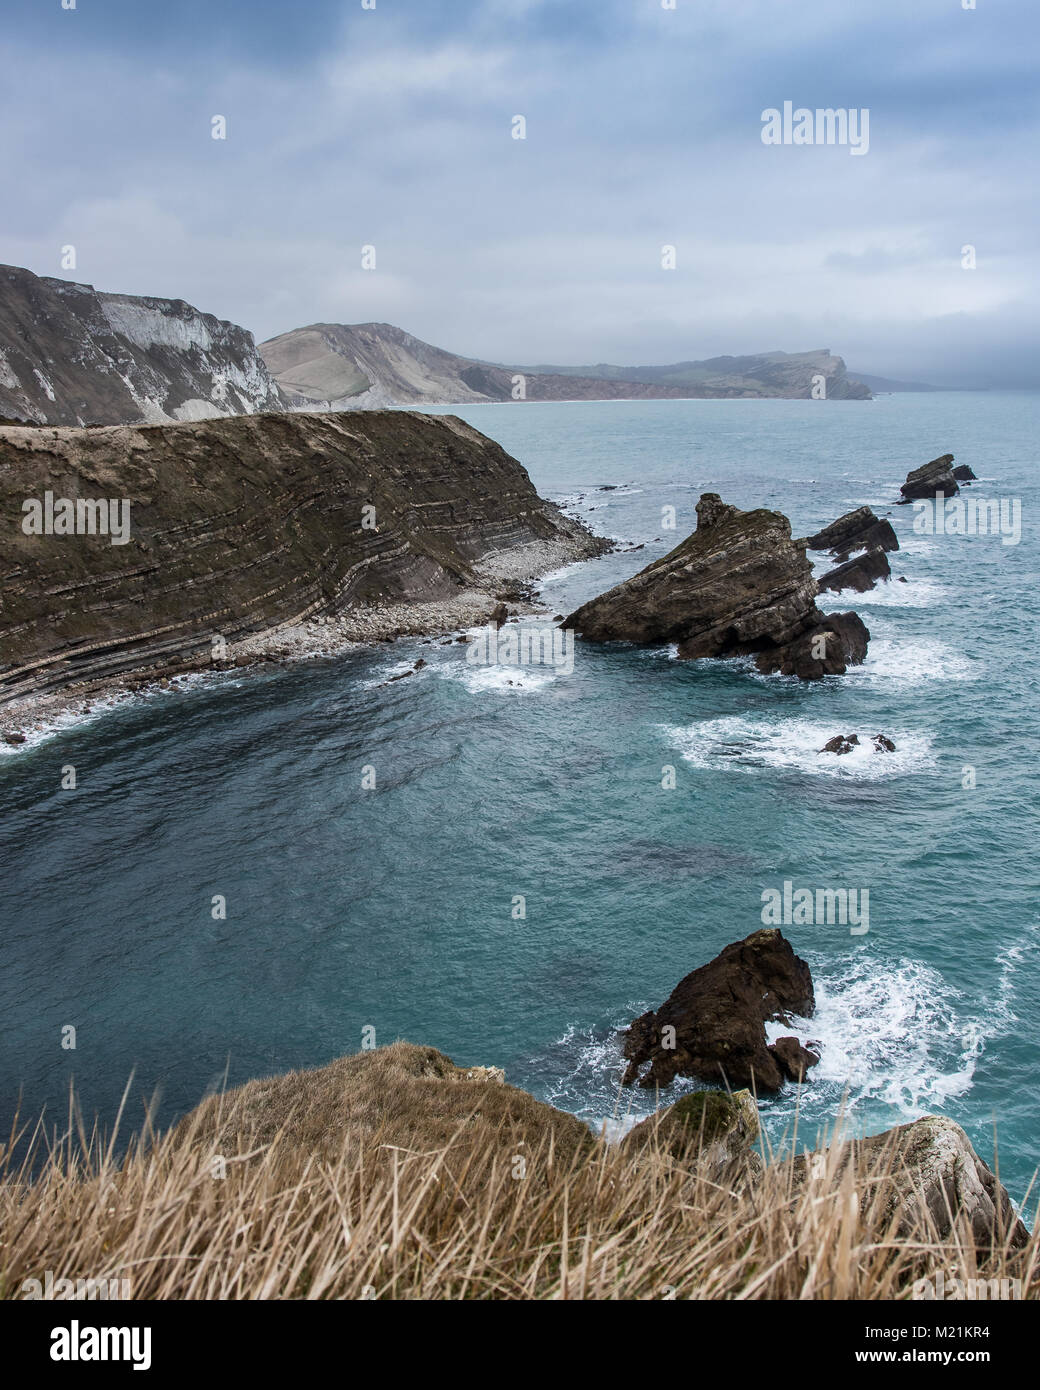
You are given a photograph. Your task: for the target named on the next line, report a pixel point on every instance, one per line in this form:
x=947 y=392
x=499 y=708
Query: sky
x=393 y=127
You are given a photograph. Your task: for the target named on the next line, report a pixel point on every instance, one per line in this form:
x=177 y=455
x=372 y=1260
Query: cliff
x=242 y=524
x=70 y=355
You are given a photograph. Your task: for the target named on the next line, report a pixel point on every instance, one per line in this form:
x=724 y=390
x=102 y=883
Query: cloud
x=393 y=127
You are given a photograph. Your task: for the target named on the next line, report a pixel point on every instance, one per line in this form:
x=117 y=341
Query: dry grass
x=369 y=1209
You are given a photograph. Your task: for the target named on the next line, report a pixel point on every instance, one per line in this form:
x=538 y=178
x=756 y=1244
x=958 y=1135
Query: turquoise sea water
x=393 y=907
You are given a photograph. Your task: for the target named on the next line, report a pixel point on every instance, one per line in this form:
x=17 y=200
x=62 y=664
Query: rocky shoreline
x=257 y=539
x=503 y=578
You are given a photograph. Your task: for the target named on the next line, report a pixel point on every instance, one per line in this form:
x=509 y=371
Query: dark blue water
x=393 y=907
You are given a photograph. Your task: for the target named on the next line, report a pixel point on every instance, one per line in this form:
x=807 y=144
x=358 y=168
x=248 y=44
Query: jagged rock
x=963 y=474
x=241 y=524
x=14 y=738
x=933 y=1182
x=712 y=1128
x=738 y=586
x=794 y=1059
x=718 y=1013
x=859 y=574
x=883 y=744
x=856 y=530
x=841 y=638
x=929 y=479
x=840 y=743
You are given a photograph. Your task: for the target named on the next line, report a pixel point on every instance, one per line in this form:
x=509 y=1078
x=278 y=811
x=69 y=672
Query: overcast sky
x=392 y=127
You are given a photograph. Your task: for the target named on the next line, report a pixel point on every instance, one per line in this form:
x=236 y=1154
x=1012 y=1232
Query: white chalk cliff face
x=71 y=355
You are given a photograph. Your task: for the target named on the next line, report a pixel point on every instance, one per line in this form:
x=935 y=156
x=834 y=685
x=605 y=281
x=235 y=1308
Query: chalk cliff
x=72 y=355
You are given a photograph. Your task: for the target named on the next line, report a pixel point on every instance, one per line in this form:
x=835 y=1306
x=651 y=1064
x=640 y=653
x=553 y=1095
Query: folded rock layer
x=241 y=524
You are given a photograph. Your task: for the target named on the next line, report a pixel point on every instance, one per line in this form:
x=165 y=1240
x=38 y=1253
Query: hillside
x=71 y=355
x=375 y=364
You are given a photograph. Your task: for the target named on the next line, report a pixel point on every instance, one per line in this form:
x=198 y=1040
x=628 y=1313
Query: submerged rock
x=712 y=1025
x=738 y=586
x=856 y=530
x=844 y=743
x=929 y=479
x=840 y=743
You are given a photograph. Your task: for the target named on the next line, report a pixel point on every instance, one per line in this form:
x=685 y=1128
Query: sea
x=265 y=870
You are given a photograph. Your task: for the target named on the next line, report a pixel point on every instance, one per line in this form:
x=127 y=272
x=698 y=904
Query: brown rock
x=929 y=479
x=860 y=573
x=718 y=1013
x=856 y=530
x=794 y=1059
x=840 y=743
x=738 y=586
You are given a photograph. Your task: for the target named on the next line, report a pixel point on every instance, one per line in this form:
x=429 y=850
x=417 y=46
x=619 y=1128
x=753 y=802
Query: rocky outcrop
x=860 y=573
x=714 y=1129
x=793 y=1058
x=72 y=355
x=929 y=1181
x=929 y=479
x=963 y=474
x=844 y=743
x=241 y=525
x=712 y=1025
x=738 y=586
x=856 y=530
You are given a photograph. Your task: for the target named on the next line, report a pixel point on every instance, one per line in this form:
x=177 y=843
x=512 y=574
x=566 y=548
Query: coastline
x=506 y=575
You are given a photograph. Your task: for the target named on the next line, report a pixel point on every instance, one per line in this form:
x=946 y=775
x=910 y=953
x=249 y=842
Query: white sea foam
x=496 y=678
x=49 y=726
x=899 y=1035
x=739 y=744
x=917 y=593
x=890 y=1035
x=914 y=661
x=499 y=680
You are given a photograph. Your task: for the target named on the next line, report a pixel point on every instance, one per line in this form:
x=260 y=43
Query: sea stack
x=929 y=479
x=712 y=1025
x=739 y=585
